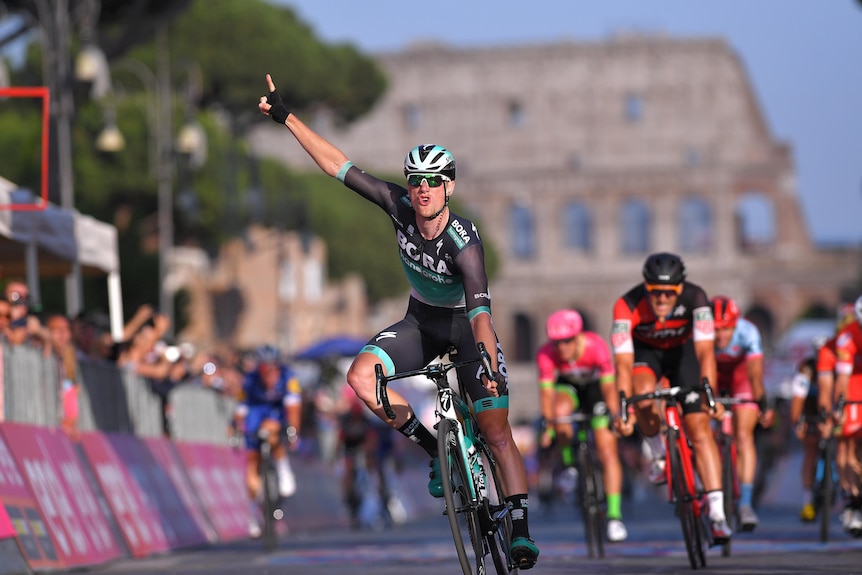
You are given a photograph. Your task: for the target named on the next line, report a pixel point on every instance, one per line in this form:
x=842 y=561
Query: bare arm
x=329 y=158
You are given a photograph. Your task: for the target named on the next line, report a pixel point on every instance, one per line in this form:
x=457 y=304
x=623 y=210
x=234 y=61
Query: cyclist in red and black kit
x=449 y=307
x=663 y=328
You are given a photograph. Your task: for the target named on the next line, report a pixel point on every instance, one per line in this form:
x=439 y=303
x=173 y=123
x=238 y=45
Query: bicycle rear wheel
x=588 y=500
x=498 y=535
x=461 y=510
x=727 y=488
x=683 y=498
x=827 y=488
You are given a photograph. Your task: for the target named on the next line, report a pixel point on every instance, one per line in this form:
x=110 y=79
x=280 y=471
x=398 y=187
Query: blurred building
x=270 y=287
x=579 y=159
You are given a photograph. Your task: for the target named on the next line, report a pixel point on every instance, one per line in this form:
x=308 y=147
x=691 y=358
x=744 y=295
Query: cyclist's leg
x=253 y=420
x=565 y=404
x=745 y=419
x=645 y=376
x=808 y=469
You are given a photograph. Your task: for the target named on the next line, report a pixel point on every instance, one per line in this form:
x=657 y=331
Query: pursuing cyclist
x=848 y=384
x=739 y=361
x=449 y=306
x=271 y=398
x=575 y=372
x=664 y=328
x=803 y=411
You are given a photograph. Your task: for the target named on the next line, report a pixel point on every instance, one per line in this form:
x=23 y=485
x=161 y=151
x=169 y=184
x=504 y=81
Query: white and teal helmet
x=430 y=159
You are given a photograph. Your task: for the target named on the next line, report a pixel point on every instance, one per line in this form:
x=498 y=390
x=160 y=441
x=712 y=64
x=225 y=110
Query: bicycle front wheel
x=683 y=498
x=728 y=474
x=270 y=507
x=588 y=499
x=499 y=534
x=461 y=507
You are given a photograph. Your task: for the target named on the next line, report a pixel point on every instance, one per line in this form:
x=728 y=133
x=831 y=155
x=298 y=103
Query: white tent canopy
x=46 y=243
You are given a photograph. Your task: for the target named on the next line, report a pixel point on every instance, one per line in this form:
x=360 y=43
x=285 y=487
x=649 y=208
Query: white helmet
x=430 y=159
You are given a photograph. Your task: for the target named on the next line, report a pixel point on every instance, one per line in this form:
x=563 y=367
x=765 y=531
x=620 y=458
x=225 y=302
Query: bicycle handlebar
x=665 y=393
x=436 y=372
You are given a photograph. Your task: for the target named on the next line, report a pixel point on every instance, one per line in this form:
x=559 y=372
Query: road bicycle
x=685 y=491
x=828 y=450
x=473 y=494
x=590 y=491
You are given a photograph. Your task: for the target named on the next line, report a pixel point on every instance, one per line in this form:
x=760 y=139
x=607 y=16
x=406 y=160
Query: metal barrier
x=110 y=399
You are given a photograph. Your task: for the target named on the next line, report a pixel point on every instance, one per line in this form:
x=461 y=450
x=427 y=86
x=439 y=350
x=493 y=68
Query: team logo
x=620 y=333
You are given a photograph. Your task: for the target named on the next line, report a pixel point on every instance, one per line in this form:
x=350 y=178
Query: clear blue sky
x=802 y=56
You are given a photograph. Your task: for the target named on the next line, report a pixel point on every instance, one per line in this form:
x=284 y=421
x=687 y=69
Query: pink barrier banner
x=168 y=460
x=179 y=527
x=135 y=513
x=56 y=478
x=217 y=474
x=27 y=521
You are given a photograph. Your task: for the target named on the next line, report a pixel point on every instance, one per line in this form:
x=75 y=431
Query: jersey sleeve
x=703 y=322
x=602 y=356
x=621 y=330
x=845 y=352
x=471 y=263
x=546 y=365
x=753 y=341
x=378 y=191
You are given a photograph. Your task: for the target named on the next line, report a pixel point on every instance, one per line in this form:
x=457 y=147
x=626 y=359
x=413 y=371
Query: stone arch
x=524 y=342
x=522 y=222
x=577 y=226
x=694 y=226
x=635 y=227
x=756 y=224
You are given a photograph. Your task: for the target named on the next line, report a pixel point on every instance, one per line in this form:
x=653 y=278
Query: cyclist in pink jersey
x=739 y=361
x=576 y=372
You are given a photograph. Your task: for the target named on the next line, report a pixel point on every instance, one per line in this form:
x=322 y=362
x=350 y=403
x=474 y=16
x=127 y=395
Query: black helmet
x=664 y=269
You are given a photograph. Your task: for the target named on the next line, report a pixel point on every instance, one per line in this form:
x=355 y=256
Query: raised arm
x=329 y=158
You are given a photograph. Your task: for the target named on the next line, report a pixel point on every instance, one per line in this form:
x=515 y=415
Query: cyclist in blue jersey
x=449 y=307
x=271 y=400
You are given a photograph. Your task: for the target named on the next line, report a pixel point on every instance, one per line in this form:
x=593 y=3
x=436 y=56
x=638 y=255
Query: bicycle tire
x=460 y=507
x=269 y=506
x=826 y=491
x=682 y=498
x=589 y=504
x=499 y=535
x=727 y=481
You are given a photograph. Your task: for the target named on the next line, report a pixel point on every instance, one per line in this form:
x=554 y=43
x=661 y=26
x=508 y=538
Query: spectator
x=5 y=316
x=60 y=334
x=17 y=294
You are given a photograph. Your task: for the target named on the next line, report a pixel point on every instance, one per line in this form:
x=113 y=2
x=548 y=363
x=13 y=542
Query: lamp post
x=190 y=141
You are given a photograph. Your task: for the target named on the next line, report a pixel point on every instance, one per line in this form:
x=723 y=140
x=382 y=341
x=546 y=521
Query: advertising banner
x=218 y=477
x=55 y=476
x=168 y=460
x=176 y=521
x=135 y=512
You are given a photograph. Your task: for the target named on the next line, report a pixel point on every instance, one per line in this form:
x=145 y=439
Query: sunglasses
x=566 y=341
x=664 y=289
x=433 y=180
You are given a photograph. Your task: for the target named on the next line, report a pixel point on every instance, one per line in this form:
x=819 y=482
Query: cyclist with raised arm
x=449 y=306
x=663 y=327
x=739 y=362
x=576 y=373
x=848 y=384
x=271 y=400
x=804 y=412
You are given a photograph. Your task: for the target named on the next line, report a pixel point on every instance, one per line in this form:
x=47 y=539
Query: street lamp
x=191 y=141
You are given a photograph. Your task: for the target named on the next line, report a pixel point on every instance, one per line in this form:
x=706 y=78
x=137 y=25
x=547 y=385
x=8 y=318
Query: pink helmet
x=563 y=324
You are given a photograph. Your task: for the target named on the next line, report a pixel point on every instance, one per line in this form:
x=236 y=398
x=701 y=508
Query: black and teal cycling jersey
x=447 y=271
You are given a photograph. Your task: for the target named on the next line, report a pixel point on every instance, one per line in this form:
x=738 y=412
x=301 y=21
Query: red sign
x=168 y=460
x=218 y=477
x=135 y=513
x=55 y=477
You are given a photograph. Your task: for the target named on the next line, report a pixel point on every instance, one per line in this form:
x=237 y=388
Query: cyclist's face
x=662 y=302
x=722 y=336
x=268 y=373
x=567 y=348
x=427 y=200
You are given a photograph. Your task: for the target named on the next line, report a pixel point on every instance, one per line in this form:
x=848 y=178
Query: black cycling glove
x=279 y=111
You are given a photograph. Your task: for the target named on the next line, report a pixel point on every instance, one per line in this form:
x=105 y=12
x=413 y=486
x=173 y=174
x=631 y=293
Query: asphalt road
x=780 y=545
